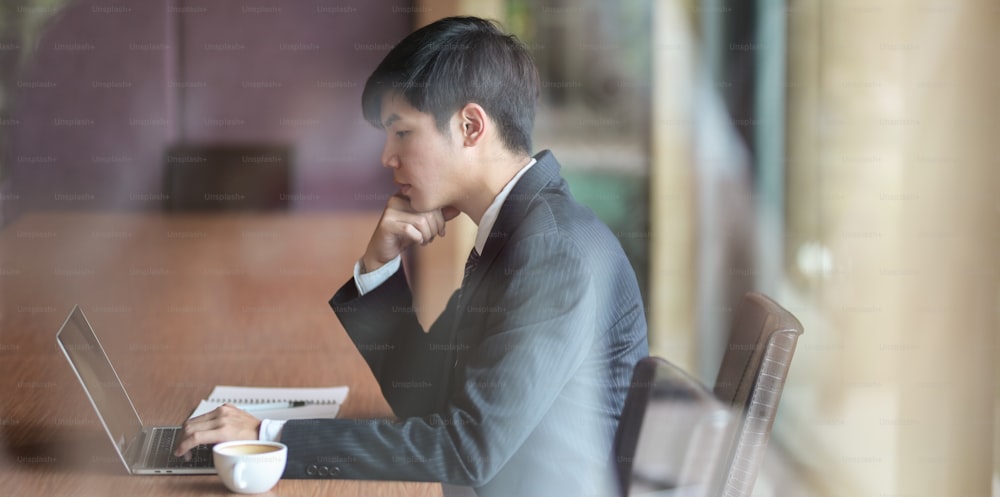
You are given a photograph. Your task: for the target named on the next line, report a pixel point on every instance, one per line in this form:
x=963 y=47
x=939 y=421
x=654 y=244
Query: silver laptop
x=143 y=450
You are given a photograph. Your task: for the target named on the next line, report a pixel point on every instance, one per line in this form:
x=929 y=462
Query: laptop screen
x=92 y=366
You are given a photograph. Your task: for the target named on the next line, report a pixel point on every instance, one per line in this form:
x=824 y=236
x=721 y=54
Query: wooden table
x=181 y=303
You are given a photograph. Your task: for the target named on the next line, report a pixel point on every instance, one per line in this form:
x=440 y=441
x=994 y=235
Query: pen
x=270 y=405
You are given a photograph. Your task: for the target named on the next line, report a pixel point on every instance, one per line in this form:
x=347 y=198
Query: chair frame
x=751 y=379
x=706 y=425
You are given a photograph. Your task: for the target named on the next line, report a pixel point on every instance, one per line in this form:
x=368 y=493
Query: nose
x=389 y=157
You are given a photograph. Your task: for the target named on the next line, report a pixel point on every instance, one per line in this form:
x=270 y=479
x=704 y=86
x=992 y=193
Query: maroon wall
x=111 y=85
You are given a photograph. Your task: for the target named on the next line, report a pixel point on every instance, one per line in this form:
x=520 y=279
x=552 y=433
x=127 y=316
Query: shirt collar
x=490 y=216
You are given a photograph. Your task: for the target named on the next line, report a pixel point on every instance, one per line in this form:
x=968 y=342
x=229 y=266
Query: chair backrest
x=671 y=433
x=750 y=381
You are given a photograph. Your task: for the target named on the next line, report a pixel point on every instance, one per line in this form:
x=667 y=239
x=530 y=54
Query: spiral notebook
x=315 y=402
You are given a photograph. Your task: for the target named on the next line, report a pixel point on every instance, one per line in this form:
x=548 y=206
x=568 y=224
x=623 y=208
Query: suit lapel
x=512 y=212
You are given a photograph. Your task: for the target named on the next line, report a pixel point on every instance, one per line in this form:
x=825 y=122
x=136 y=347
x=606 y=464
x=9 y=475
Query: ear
x=474 y=123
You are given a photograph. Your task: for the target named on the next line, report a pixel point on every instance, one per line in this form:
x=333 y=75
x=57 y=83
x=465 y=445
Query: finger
x=400 y=203
x=185 y=443
x=445 y=214
x=199 y=438
x=423 y=223
x=194 y=427
x=211 y=432
x=449 y=212
x=438 y=221
x=411 y=233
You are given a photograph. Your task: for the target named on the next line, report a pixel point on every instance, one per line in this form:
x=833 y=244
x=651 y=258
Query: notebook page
x=308 y=411
x=260 y=395
x=320 y=402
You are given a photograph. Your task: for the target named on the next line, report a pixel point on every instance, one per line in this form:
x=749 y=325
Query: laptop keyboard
x=161 y=453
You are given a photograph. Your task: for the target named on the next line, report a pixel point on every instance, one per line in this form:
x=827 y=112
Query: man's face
x=425 y=161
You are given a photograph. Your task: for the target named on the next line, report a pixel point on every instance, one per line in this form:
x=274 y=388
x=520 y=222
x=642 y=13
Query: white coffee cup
x=250 y=466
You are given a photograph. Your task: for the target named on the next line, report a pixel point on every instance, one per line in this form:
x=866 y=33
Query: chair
x=751 y=378
x=670 y=434
x=227 y=177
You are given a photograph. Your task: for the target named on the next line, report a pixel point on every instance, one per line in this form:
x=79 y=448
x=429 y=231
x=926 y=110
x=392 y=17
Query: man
x=517 y=387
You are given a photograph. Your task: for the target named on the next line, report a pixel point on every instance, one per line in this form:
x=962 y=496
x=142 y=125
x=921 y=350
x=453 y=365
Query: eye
x=403 y=133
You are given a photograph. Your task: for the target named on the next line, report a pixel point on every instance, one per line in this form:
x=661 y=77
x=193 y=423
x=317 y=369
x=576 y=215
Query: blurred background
x=838 y=155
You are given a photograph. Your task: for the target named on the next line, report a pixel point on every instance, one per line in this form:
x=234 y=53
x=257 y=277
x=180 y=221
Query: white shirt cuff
x=270 y=430
x=369 y=281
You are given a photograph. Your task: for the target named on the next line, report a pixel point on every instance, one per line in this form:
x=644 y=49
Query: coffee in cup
x=250 y=466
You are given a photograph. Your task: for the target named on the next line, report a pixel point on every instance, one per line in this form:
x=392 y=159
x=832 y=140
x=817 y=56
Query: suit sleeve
x=539 y=302
x=410 y=369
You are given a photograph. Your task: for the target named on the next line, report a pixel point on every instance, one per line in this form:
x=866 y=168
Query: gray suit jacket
x=517 y=387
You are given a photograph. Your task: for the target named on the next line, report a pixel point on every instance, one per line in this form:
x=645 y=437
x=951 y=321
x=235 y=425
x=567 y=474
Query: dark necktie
x=470 y=265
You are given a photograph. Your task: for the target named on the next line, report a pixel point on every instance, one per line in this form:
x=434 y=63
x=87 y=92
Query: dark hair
x=455 y=61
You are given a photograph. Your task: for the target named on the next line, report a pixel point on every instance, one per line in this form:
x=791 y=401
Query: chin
x=418 y=204
x=421 y=203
